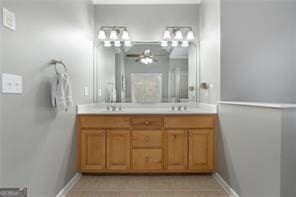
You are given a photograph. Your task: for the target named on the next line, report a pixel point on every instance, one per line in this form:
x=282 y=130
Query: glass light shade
x=102 y=35
x=190 y=36
x=113 y=35
x=178 y=35
x=164 y=43
x=107 y=43
x=185 y=43
x=167 y=35
x=117 y=44
x=175 y=43
x=127 y=43
x=125 y=35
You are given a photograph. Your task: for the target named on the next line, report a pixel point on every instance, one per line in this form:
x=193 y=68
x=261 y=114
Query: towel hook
x=55 y=62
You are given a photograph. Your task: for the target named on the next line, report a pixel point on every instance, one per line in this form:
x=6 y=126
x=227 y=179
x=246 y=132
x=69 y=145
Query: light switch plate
x=9 y=19
x=12 y=84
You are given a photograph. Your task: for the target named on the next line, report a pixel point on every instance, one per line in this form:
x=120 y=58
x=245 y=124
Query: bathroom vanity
x=146 y=118
x=138 y=141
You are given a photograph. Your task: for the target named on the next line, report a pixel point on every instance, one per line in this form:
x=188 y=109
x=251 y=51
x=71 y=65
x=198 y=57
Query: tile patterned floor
x=147 y=186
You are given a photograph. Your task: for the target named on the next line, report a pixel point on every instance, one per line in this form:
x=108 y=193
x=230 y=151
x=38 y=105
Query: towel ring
x=56 y=62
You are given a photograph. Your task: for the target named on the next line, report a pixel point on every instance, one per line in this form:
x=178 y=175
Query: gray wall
x=147 y=22
x=249 y=149
x=38 y=145
x=288 y=172
x=209 y=27
x=258 y=50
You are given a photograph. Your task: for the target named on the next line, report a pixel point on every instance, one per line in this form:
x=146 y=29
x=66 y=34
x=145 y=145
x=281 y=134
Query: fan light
x=127 y=43
x=164 y=43
x=107 y=43
x=102 y=35
x=117 y=44
x=178 y=35
x=147 y=60
x=175 y=43
x=185 y=43
x=125 y=35
x=190 y=36
x=113 y=35
x=167 y=35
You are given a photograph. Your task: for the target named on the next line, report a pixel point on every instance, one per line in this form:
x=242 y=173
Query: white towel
x=61 y=92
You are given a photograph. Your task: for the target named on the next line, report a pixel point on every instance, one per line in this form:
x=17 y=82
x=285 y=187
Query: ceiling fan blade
x=133 y=55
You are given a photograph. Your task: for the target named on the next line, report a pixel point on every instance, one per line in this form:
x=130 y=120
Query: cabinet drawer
x=187 y=122
x=147 y=159
x=147 y=123
x=109 y=122
x=147 y=138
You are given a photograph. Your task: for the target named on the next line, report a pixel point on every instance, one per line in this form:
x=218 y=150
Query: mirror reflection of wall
x=146 y=72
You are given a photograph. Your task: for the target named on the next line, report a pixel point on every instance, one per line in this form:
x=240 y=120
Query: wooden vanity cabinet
x=145 y=144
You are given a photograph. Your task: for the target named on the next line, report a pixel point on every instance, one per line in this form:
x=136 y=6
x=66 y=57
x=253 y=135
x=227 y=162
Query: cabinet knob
x=147 y=122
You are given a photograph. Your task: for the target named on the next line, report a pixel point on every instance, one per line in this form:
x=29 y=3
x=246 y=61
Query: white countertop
x=258 y=104
x=146 y=109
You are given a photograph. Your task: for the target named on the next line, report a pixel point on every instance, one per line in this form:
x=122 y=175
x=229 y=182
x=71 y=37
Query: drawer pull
x=147 y=122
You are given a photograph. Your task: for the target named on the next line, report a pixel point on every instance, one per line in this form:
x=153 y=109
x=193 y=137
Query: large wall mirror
x=146 y=72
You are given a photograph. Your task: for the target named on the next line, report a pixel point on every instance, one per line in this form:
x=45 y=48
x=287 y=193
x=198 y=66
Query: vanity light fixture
x=113 y=35
x=107 y=43
x=127 y=43
x=125 y=35
x=102 y=35
x=117 y=43
x=175 y=43
x=185 y=43
x=119 y=36
x=167 y=35
x=178 y=35
x=164 y=43
x=190 y=36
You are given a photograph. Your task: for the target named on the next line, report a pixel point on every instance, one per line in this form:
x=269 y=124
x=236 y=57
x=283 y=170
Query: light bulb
x=117 y=44
x=164 y=43
x=125 y=35
x=167 y=35
x=185 y=43
x=102 y=35
x=178 y=35
x=190 y=36
x=127 y=43
x=107 y=43
x=175 y=43
x=150 y=60
x=113 y=35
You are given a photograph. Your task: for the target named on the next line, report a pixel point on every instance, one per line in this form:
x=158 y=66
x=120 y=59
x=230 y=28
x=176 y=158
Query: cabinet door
x=201 y=150
x=118 y=150
x=92 y=150
x=176 y=150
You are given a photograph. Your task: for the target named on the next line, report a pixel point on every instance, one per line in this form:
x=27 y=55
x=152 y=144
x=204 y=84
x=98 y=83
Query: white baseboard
x=65 y=190
x=228 y=189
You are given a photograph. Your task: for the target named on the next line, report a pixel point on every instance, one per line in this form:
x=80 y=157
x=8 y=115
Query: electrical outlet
x=85 y=91
x=12 y=84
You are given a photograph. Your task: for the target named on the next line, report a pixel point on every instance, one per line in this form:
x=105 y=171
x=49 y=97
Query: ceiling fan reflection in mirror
x=146 y=57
